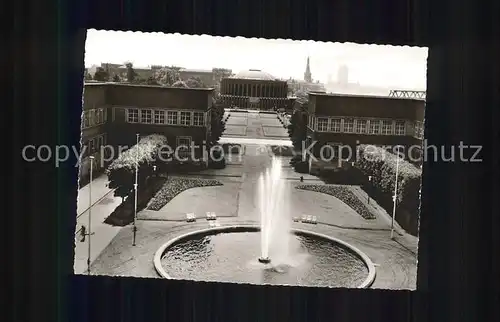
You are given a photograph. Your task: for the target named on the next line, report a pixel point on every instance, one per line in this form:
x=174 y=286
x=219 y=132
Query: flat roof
x=144 y=86
x=194 y=70
x=366 y=96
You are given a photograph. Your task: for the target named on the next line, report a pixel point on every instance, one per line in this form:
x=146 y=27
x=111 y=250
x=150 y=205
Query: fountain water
x=275 y=221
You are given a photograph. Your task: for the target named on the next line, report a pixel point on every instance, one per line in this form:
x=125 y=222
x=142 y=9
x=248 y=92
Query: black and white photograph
x=247 y=160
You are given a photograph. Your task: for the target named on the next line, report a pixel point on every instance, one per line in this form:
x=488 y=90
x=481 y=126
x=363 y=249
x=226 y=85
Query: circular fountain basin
x=232 y=253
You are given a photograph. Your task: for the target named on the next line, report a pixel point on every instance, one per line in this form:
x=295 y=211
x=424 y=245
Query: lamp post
x=369 y=188
x=134 y=228
x=90 y=214
x=394 y=197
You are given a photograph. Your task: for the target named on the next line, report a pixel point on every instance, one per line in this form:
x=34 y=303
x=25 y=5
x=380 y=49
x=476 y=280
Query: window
x=183 y=141
x=91 y=117
x=133 y=115
x=94 y=117
x=361 y=127
x=335 y=125
x=322 y=124
x=100 y=143
x=101 y=116
x=421 y=133
x=159 y=117
x=185 y=118
x=172 y=117
x=105 y=115
x=198 y=119
x=419 y=130
x=147 y=116
x=400 y=128
x=85 y=119
x=349 y=126
x=98 y=117
x=183 y=145
x=90 y=146
x=374 y=127
x=387 y=127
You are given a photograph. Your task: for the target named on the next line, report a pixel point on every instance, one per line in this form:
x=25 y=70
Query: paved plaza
x=235 y=202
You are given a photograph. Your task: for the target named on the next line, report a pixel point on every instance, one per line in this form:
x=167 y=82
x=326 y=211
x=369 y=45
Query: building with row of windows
x=254 y=89
x=114 y=113
x=349 y=120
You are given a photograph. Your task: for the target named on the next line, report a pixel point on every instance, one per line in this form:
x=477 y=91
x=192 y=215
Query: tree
x=152 y=81
x=116 y=79
x=121 y=172
x=101 y=75
x=217 y=124
x=195 y=82
x=87 y=76
x=297 y=129
x=131 y=74
x=179 y=83
x=167 y=76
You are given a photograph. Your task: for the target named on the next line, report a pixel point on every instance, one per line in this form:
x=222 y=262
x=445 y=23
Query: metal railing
x=408 y=94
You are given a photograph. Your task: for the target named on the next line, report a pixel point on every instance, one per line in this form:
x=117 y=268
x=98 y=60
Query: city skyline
x=369 y=65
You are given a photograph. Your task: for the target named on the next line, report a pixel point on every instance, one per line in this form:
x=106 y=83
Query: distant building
x=343 y=75
x=114 y=113
x=254 y=89
x=347 y=120
x=307 y=73
x=307 y=84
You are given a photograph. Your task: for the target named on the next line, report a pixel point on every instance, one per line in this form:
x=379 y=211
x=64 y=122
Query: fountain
x=269 y=253
x=274 y=221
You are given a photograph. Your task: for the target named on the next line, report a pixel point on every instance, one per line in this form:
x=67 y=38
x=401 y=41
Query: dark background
x=458 y=277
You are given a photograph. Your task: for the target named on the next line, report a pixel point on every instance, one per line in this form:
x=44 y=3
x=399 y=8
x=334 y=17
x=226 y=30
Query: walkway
x=103 y=203
x=99 y=190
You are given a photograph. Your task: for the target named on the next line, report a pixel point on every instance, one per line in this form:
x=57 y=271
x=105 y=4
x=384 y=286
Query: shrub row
x=343 y=194
x=145 y=151
x=174 y=186
x=381 y=165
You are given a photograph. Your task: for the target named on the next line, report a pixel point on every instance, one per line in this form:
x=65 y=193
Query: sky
x=400 y=67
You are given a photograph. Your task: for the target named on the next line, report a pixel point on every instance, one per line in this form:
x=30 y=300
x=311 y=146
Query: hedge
x=175 y=186
x=344 y=195
x=124 y=213
x=381 y=165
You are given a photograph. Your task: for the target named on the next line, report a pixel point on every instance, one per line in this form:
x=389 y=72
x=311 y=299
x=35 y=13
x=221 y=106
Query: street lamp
x=134 y=228
x=90 y=214
x=394 y=197
x=369 y=188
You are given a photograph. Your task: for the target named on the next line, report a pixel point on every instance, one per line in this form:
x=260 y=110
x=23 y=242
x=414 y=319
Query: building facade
x=114 y=113
x=254 y=89
x=347 y=120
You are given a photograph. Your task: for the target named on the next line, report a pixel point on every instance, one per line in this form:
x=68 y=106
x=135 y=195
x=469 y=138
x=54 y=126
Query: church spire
x=307 y=74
